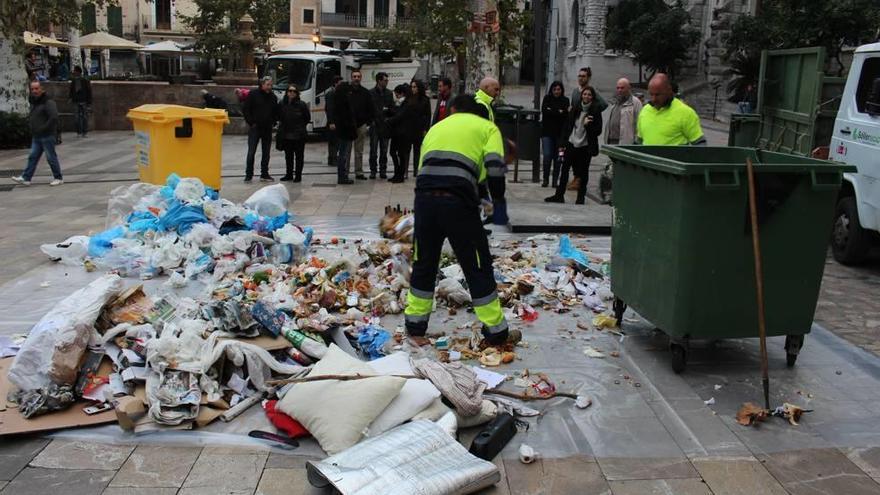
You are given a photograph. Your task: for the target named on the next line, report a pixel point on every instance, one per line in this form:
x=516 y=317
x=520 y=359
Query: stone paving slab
x=62 y=454
x=737 y=476
x=139 y=491
x=819 y=471
x=867 y=459
x=16 y=453
x=639 y=468
x=287 y=481
x=233 y=474
x=660 y=487
x=156 y=466
x=43 y=481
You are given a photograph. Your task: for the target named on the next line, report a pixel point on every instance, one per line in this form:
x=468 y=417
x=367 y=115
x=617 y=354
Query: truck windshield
x=291 y=71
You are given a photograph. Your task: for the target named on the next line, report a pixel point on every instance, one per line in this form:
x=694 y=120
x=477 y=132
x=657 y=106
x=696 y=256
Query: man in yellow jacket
x=668 y=121
x=461 y=155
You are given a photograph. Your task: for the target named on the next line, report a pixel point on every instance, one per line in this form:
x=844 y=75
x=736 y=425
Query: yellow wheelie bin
x=178 y=139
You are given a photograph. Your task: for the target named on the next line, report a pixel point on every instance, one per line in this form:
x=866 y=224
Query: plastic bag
x=372 y=340
x=71 y=251
x=171 y=183
x=54 y=346
x=567 y=251
x=125 y=199
x=182 y=217
x=453 y=292
x=190 y=190
x=269 y=201
x=100 y=244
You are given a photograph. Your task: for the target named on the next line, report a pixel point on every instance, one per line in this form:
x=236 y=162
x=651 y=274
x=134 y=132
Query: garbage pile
x=254 y=309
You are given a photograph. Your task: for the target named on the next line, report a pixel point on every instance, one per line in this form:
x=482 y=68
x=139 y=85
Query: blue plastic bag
x=142 y=221
x=372 y=340
x=167 y=192
x=181 y=218
x=566 y=250
x=100 y=244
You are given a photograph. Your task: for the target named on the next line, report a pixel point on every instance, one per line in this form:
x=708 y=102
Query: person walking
x=331 y=128
x=81 y=97
x=461 y=154
x=625 y=109
x=260 y=112
x=346 y=130
x=554 y=113
x=383 y=101
x=421 y=119
x=400 y=146
x=364 y=112
x=581 y=135
x=43 y=120
x=444 y=98
x=668 y=121
x=293 y=119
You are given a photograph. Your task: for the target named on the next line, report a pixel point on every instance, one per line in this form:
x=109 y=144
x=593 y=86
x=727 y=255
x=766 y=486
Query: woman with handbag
x=581 y=135
x=293 y=117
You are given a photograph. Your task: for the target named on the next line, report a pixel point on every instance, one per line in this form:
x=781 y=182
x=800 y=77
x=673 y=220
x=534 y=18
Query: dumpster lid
x=696 y=160
x=160 y=113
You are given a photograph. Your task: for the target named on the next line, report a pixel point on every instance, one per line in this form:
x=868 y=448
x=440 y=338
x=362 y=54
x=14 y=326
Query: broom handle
x=759 y=281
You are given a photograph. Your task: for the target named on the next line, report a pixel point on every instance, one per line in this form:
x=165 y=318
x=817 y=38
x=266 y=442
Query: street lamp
x=316 y=38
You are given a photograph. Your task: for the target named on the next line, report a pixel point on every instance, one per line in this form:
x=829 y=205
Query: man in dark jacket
x=81 y=96
x=43 y=120
x=383 y=101
x=346 y=129
x=444 y=100
x=332 y=141
x=260 y=112
x=364 y=112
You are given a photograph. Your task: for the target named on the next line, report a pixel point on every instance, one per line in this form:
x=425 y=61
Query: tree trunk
x=75 y=51
x=482 y=60
x=13 y=79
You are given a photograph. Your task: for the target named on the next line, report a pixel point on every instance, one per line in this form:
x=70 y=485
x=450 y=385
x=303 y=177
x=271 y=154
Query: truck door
x=326 y=70
x=856 y=138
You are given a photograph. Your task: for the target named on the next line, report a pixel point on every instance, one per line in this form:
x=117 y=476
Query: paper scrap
x=490 y=378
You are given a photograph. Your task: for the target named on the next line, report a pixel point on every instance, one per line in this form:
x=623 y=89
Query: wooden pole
x=759 y=281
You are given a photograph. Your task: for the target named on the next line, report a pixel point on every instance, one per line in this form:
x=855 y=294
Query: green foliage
x=792 y=24
x=18 y=16
x=434 y=27
x=215 y=23
x=15 y=131
x=658 y=34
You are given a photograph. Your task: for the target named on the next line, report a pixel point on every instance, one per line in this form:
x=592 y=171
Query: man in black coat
x=260 y=112
x=383 y=101
x=364 y=112
x=43 y=121
x=332 y=140
x=81 y=96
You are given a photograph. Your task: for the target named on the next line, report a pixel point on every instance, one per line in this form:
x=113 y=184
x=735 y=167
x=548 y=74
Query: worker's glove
x=488 y=207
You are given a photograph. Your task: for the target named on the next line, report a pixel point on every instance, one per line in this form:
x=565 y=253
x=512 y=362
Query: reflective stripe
x=450 y=155
x=493 y=157
x=478 y=260
x=424 y=294
x=416 y=318
x=496 y=171
x=496 y=329
x=448 y=171
x=482 y=301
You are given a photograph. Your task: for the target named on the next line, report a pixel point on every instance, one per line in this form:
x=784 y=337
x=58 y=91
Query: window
x=88 y=19
x=868 y=92
x=163 y=14
x=308 y=16
x=284 y=24
x=286 y=72
x=326 y=70
x=575 y=24
x=114 y=20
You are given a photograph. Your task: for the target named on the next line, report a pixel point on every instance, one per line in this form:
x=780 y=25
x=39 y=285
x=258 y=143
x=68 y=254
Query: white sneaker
x=56 y=182
x=21 y=180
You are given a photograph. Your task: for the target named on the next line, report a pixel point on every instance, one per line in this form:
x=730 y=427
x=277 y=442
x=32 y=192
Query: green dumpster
x=745 y=129
x=681 y=252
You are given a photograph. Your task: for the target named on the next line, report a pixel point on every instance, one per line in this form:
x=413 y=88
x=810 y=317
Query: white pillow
x=337 y=412
x=414 y=397
x=436 y=410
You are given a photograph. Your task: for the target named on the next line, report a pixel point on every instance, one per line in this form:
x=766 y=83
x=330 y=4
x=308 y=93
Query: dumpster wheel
x=793 y=344
x=679 y=357
x=619 y=308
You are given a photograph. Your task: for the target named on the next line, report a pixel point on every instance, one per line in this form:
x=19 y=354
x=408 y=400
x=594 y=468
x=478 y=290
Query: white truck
x=805 y=108
x=856 y=141
x=312 y=69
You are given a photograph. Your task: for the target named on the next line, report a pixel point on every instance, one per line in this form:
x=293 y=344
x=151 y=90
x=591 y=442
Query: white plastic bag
x=269 y=201
x=71 y=251
x=190 y=190
x=123 y=200
x=54 y=346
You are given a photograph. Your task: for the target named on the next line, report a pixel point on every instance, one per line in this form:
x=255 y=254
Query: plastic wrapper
x=125 y=199
x=190 y=190
x=269 y=201
x=71 y=251
x=453 y=292
x=50 y=355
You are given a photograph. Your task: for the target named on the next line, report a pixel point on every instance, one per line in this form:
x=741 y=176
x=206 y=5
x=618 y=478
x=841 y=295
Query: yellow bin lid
x=161 y=113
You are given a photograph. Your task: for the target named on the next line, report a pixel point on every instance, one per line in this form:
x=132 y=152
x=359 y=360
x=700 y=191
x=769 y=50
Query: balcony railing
x=360 y=21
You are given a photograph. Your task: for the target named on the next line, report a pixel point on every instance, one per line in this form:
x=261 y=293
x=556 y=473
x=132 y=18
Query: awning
x=166 y=47
x=102 y=40
x=33 y=39
x=290 y=45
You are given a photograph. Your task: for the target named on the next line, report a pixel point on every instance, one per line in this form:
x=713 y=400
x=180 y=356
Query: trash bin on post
x=523 y=127
x=183 y=140
x=745 y=129
x=681 y=247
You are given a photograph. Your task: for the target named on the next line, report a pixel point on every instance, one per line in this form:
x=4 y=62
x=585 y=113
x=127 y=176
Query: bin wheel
x=679 y=357
x=793 y=344
x=619 y=308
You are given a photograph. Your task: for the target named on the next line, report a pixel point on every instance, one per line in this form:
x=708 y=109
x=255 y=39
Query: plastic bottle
x=300 y=341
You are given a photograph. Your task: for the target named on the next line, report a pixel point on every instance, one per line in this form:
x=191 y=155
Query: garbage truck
x=805 y=108
x=311 y=69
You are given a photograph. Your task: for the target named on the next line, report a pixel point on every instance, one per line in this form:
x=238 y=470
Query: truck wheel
x=849 y=241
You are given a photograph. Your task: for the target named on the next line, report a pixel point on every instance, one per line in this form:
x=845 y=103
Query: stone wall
x=111 y=101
